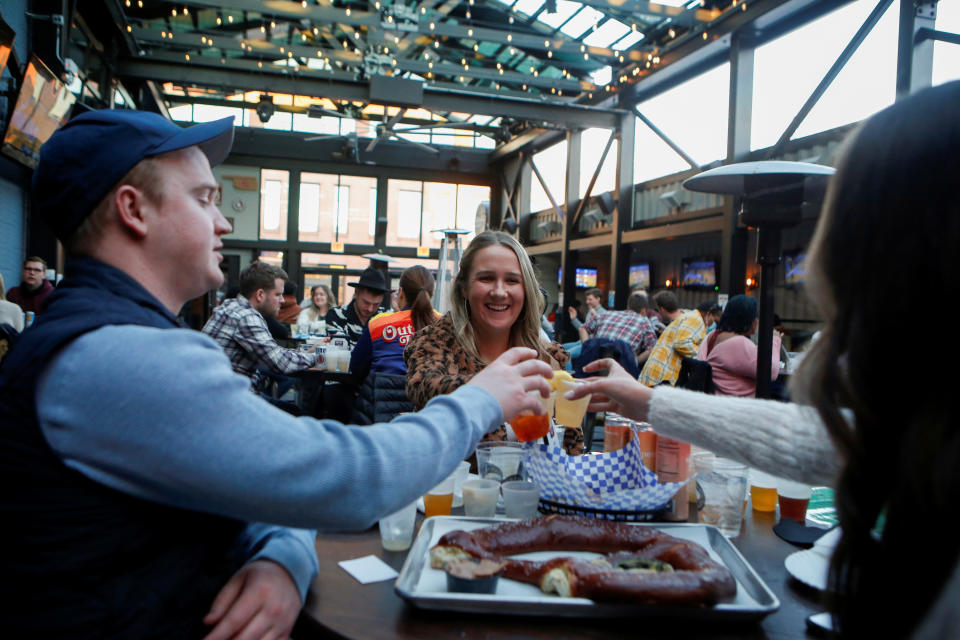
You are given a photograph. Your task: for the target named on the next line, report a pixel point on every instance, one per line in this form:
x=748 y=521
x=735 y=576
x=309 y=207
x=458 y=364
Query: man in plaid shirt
x=631 y=326
x=682 y=337
x=238 y=325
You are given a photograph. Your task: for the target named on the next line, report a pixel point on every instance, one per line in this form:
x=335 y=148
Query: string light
x=230 y=18
x=672 y=33
x=187 y=57
x=509 y=37
x=470 y=32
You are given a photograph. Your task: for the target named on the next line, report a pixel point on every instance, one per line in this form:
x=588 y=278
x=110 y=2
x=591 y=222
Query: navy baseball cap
x=88 y=156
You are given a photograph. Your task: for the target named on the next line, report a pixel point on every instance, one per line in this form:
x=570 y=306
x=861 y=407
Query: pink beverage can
x=28 y=318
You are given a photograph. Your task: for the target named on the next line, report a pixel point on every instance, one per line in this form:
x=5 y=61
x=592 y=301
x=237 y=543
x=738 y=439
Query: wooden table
x=340 y=607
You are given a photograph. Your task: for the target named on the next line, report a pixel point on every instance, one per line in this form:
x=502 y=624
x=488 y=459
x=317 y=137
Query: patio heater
x=774 y=195
x=450 y=252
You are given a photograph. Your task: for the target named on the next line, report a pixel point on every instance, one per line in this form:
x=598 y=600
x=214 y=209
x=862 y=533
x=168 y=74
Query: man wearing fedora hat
x=348 y=320
x=137 y=467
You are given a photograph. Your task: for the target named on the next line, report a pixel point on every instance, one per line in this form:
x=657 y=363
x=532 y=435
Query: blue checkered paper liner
x=616 y=480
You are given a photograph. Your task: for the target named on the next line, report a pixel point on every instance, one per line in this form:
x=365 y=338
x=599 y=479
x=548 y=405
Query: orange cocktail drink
x=528 y=426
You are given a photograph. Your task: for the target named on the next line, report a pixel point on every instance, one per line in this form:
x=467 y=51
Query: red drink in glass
x=529 y=427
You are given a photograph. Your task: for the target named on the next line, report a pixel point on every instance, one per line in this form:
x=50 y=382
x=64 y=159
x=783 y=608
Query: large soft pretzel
x=643 y=564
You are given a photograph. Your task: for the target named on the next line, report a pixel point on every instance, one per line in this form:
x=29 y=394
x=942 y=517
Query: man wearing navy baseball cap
x=148 y=493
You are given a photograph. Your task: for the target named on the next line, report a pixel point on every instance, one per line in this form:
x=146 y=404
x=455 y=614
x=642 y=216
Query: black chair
x=8 y=338
x=594 y=348
x=381 y=398
x=695 y=375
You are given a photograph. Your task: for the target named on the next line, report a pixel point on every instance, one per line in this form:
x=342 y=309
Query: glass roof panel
x=628 y=41
x=581 y=22
x=609 y=32
x=528 y=7
x=565 y=9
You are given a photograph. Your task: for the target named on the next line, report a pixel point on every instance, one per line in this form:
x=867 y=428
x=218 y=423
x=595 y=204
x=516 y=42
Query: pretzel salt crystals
x=643 y=565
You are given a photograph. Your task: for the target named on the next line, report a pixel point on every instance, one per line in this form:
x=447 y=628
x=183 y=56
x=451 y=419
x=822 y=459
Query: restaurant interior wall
x=240 y=199
x=14 y=179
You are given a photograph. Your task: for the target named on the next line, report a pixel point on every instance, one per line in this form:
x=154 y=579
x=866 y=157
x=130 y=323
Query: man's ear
x=130 y=202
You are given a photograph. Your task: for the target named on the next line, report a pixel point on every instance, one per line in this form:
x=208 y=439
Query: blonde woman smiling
x=495 y=305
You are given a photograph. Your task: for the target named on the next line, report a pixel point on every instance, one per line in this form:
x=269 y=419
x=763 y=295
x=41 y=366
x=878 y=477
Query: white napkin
x=368 y=569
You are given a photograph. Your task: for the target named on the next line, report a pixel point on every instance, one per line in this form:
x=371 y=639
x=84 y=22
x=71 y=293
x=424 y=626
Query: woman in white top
x=10 y=313
x=321 y=301
x=885 y=431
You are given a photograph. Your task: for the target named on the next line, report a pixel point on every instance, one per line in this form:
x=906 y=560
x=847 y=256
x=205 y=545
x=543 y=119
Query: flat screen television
x=794 y=268
x=586 y=278
x=640 y=276
x=698 y=273
x=43 y=106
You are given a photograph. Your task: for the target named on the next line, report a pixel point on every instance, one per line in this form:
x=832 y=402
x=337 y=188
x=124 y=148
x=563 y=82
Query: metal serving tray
x=426 y=588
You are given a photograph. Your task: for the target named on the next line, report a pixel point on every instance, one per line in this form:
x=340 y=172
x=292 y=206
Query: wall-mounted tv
x=586 y=278
x=698 y=273
x=640 y=275
x=794 y=268
x=43 y=106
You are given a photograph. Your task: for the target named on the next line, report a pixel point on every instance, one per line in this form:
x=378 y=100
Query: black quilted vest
x=81 y=560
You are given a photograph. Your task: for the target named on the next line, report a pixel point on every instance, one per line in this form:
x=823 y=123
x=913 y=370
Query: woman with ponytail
x=380 y=348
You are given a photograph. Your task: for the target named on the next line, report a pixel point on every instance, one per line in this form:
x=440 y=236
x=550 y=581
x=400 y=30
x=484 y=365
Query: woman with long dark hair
x=885 y=432
x=381 y=345
x=731 y=353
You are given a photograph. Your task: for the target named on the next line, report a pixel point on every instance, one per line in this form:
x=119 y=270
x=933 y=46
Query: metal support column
x=568 y=258
x=915 y=58
x=623 y=214
x=291 y=255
